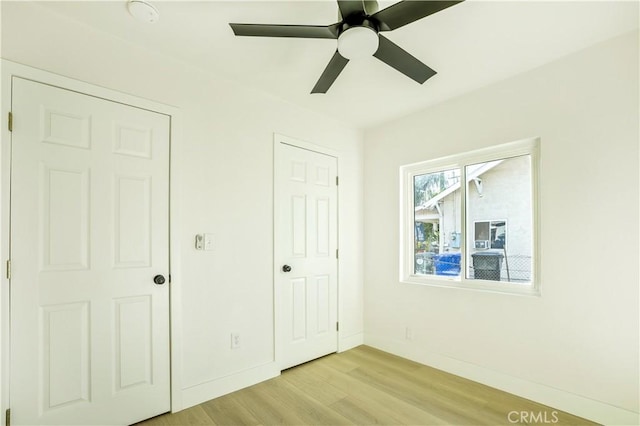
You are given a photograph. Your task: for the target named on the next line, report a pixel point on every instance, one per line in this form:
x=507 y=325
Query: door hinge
x=337 y=254
x=10 y=121
x=8 y=269
x=337 y=180
x=7 y=417
x=337 y=326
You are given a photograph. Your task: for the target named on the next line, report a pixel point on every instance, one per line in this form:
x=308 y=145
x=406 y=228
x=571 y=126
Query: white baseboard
x=200 y=393
x=350 y=342
x=565 y=401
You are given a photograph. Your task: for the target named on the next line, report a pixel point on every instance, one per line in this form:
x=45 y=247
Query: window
x=470 y=220
x=491 y=234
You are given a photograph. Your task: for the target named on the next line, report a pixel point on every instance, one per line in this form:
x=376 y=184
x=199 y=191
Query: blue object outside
x=447 y=264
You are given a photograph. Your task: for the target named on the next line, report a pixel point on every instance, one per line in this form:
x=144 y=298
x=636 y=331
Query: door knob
x=286 y=268
x=159 y=279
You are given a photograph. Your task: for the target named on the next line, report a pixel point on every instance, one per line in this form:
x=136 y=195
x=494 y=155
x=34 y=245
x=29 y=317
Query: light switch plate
x=208 y=242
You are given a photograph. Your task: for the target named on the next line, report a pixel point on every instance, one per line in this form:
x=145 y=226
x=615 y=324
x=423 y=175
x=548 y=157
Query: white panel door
x=89 y=232
x=305 y=253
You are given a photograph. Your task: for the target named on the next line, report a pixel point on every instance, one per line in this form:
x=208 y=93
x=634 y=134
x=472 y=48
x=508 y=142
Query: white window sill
x=528 y=289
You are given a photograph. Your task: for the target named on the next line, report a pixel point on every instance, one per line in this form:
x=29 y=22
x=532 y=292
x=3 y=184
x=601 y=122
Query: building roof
x=474 y=171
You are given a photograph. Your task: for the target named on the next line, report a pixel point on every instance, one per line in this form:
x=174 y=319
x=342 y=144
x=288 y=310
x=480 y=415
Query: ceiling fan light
x=358 y=42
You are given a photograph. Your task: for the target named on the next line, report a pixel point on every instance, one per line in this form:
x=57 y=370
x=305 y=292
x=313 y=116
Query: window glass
x=500 y=219
x=436 y=223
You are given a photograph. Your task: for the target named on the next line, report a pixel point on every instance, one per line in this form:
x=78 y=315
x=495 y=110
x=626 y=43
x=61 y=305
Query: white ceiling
x=470 y=45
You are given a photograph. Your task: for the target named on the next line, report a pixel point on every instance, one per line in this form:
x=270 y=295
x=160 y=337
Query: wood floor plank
x=226 y=410
x=366 y=386
x=420 y=397
x=359 y=412
x=378 y=399
x=340 y=363
x=308 y=409
x=193 y=416
x=265 y=408
x=376 y=355
x=418 y=375
x=303 y=381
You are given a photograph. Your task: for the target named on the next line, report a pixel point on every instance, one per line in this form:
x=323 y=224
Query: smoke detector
x=143 y=11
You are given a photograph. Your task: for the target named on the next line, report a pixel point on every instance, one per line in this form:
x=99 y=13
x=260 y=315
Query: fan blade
x=298 y=31
x=394 y=56
x=408 y=11
x=351 y=7
x=330 y=73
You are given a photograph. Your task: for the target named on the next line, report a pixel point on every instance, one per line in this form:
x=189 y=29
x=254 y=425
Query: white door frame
x=278 y=141
x=8 y=70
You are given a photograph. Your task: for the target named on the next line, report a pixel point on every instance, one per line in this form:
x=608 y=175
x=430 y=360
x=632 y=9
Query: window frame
x=529 y=147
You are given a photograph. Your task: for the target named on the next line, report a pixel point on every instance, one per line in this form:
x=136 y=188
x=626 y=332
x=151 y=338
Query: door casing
x=8 y=71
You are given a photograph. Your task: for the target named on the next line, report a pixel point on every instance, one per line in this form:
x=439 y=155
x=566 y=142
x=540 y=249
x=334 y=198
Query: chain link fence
x=514 y=267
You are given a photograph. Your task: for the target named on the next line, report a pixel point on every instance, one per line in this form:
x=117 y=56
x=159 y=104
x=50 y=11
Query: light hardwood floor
x=365 y=386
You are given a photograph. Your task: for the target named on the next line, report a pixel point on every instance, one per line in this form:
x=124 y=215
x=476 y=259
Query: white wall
x=576 y=346
x=226 y=169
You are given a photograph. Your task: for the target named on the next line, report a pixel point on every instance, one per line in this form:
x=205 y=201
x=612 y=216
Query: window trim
x=529 y=147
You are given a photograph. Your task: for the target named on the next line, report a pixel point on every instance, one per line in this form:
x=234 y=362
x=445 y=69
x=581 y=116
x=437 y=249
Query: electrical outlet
x=235 y=340
x=408 y=333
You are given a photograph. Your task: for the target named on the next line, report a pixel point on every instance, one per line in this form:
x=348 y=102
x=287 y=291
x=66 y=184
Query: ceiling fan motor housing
x=366 y=7
x=359 y=21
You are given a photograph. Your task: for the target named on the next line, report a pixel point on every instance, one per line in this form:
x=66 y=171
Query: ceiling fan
x=358 y=35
